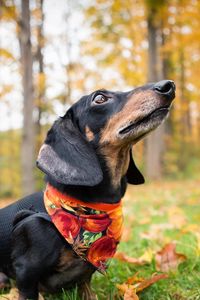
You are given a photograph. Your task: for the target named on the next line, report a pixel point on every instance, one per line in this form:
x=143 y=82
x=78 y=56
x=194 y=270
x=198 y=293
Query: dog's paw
x=4 y=282
x=14 y=295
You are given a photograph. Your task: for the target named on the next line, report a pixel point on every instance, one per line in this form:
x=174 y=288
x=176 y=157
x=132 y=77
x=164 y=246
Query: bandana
x=92 y=229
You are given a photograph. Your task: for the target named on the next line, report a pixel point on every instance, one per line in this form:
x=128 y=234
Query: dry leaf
x=134 y=279
x=176 y=217
x=145 y=220
x=138 y=284
x=14 y=295
x=130 y=295
x=123 y=287
x=147 y=282
x=128 y=291
x=190 y=228
x=144 y=259
x=167 y=259
x=147 y=256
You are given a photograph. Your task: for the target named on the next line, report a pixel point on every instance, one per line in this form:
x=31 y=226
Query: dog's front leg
x=27 y=257
x=85 y=291
x=26 y=279
x=3 y=280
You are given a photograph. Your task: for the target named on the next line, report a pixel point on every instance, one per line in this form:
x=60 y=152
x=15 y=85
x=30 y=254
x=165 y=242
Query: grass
x=156 y=214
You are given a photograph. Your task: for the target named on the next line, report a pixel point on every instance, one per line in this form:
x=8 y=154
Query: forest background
x=52 y=52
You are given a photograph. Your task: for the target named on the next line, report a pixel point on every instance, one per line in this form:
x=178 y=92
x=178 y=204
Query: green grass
x=156 y=214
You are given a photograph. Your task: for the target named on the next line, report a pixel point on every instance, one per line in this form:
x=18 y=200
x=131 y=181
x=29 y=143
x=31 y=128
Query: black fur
x=31 y=248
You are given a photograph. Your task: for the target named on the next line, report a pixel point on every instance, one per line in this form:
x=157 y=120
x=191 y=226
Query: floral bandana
x=93 y=229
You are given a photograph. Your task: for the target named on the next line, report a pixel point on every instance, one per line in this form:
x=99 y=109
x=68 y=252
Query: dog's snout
x=165 y=87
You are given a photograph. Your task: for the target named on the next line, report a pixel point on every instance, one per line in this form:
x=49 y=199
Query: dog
x=58 y=238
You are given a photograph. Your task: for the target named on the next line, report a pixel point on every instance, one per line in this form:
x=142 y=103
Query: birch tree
x=28 y=134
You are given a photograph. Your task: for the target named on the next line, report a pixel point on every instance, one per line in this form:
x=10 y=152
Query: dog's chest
x=69 y=271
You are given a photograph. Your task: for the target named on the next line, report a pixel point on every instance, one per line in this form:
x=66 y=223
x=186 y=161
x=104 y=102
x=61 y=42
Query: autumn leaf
x=167 y=259
x=147 y=256
x=133 y=279
x=147 y=282
x=123 y=287
x=128 y=291
x=144 y=259
x=138 y=284
x=6 y=54
x=14 y=295
x=130 y=295
x=176 y=217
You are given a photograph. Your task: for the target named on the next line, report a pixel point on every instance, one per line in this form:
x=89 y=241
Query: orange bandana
x=92 y=229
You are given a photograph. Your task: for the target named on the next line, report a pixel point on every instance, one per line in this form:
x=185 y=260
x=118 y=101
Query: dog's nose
x=165 y=87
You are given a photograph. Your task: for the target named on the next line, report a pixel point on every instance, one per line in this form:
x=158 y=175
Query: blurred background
x=53 y=52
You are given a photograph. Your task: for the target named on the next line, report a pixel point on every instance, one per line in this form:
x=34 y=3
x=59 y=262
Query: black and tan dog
x=87 y=159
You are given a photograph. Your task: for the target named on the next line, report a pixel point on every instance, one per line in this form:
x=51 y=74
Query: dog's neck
x=105 y=191
x=117 y=161
x=74 y=219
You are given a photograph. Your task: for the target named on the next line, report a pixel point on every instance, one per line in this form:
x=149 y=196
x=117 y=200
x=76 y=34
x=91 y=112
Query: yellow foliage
x=5 y=54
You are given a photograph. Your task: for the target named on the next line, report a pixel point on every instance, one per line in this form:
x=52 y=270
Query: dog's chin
x=135 y=131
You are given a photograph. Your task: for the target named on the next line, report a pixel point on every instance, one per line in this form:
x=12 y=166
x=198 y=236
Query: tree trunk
x=41 y=76
x=69 y=65
x=186 y=123
x=154 y=142
x=27 y=150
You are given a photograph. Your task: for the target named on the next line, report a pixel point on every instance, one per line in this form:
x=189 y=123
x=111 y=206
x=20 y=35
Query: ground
x=156 y=215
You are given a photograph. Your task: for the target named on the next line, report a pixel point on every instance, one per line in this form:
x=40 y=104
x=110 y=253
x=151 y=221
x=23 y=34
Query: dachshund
x=58 y=238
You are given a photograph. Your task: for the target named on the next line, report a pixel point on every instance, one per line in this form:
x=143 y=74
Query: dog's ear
x=67 y=157
x=133 y=174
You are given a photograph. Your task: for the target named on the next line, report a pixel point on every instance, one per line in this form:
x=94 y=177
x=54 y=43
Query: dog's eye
x=99 y=99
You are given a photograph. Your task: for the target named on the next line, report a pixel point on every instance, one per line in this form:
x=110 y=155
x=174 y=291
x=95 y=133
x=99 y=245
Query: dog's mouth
x=145 y=124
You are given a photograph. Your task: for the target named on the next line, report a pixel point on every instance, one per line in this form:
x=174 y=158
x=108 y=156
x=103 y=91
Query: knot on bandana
x=92 y=229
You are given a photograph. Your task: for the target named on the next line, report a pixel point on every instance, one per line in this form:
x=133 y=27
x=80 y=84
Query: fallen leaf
x=127 y=291
x=190 y=228
x=147 y=282
x=123 y=287
x=155 y=231
x=145 y=220
x=139 y=284
x=134 y=279
x=14 y=295
x=130 y=295
x=176 y=216
x=147 y=256
x=167 y=259
x=144 y=259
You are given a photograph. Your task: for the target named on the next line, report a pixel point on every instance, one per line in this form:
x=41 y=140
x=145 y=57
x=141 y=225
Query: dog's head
x=103 y=124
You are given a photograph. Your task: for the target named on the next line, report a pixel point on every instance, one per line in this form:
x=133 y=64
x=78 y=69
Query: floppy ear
x=133 y=174
x=67 y=157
